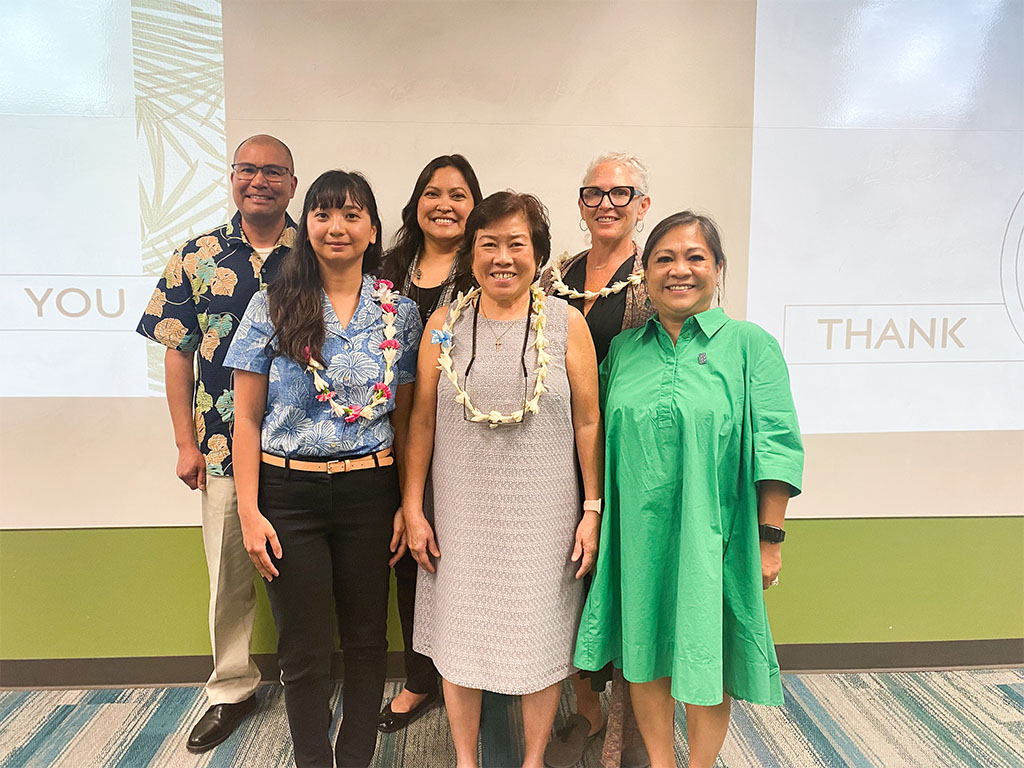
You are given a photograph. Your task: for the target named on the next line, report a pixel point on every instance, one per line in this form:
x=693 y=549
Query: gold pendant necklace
x=497 y=337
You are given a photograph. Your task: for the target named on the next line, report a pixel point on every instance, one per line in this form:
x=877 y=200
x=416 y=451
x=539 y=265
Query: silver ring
x=774 y=582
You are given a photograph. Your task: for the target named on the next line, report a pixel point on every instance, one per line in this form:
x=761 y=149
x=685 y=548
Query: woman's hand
x=421 y=540
x=398 y=545
x=771 y=563
x=772 y=498
x=586 y=542
x=257 y=532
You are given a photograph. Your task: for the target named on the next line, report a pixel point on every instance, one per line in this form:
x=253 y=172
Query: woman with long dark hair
x=422 y=263
x=324 y=363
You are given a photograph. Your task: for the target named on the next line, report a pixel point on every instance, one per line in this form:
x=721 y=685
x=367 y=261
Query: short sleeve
x=248 y=350
x=778 y=448
x=408 y=330
x=171 y=317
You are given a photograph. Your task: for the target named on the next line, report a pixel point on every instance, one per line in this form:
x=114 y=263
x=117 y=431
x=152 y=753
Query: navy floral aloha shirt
x=198 y=304
x=295 y=422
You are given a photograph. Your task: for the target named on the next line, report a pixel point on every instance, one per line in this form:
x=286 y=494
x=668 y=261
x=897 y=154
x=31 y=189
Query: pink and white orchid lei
x=383 y=292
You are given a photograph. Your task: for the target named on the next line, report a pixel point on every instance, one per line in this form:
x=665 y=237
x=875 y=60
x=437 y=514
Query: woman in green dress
x=703 y=453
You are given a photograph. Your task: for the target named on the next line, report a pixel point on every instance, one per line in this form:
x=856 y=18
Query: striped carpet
x=912 y=719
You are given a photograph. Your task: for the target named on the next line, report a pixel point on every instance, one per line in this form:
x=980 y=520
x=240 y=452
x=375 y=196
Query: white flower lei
x=445 y=338
x=385 y=296
x=560 y=288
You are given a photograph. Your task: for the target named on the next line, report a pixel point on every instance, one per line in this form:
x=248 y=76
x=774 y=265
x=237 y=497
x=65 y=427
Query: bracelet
x=592 y=505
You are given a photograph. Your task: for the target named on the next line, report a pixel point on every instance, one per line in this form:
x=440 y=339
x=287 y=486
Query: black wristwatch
x=771 y=534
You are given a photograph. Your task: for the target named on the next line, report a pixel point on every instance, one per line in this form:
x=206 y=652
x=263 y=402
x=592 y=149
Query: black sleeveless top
x=426 y=299
x=605 y=316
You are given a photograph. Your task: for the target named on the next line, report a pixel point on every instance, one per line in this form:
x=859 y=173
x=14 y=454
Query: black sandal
x=389 y=721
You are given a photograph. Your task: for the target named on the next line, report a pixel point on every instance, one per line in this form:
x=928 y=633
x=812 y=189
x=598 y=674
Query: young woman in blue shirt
x=325 y=362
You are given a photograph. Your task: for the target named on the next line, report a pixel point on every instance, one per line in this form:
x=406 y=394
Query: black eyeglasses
x=526 y=375
x=619 y=197
x=272 y=173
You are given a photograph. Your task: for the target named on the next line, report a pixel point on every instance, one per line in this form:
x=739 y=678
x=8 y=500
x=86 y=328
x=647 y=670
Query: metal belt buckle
x=330 y=466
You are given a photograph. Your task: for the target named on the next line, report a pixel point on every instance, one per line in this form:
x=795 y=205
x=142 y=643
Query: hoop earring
x=582 y=225
x=639 y=226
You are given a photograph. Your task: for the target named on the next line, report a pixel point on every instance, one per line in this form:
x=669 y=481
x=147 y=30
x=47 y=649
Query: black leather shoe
x=217 y=724
x=389 y=722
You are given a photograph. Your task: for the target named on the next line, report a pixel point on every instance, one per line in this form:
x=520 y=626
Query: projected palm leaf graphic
x=179 y=107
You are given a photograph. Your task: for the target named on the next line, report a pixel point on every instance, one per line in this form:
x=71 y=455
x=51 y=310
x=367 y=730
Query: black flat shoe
x=217 y=724
x=389 y=722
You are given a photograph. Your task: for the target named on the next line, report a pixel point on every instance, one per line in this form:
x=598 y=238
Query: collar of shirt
x=366 y=315
x=235 y=235
x=709 y=321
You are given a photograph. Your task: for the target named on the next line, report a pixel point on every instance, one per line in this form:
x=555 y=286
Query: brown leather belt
x=379 y=459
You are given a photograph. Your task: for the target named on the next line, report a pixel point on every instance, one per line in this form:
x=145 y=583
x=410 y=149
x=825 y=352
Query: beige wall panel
x=553 y=62
x=113 y=464
x=912 y=474
x=528 y=91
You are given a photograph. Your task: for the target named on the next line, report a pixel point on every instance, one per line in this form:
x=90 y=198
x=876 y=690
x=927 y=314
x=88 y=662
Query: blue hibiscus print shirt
x=296 y=423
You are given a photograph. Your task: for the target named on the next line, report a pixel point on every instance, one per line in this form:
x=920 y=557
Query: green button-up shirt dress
x=690 y=429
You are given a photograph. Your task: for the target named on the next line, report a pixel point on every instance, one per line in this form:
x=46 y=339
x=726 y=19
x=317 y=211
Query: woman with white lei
x=605 y=282
x=499 y=592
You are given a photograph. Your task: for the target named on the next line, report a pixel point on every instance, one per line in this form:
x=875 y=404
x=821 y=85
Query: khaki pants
x=232 y=596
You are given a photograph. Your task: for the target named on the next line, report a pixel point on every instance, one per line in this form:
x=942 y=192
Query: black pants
x=334 y=532
x=420 y=672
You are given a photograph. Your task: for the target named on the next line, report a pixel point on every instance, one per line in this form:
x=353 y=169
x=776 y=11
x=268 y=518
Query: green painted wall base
x=133 y=671
x=100 y=593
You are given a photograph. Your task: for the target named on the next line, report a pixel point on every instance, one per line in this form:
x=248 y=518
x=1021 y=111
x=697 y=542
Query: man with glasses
x=197 y=305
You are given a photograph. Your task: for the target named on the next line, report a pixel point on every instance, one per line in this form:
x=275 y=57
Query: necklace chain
x=447 y=287
x=418 y=270
x=497 y=336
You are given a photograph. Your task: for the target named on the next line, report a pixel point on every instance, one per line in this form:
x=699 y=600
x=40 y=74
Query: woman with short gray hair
x=605 y=283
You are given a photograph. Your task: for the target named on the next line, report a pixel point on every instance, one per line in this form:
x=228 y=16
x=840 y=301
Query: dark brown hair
x=500 y=206
x=707 y=227
x=408 y=240
x=294 y=298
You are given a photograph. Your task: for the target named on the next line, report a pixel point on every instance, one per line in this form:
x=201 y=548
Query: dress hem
x=617 y=663
x=505 y=690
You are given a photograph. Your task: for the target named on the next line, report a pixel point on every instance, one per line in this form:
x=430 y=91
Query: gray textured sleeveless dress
x=502 y=610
